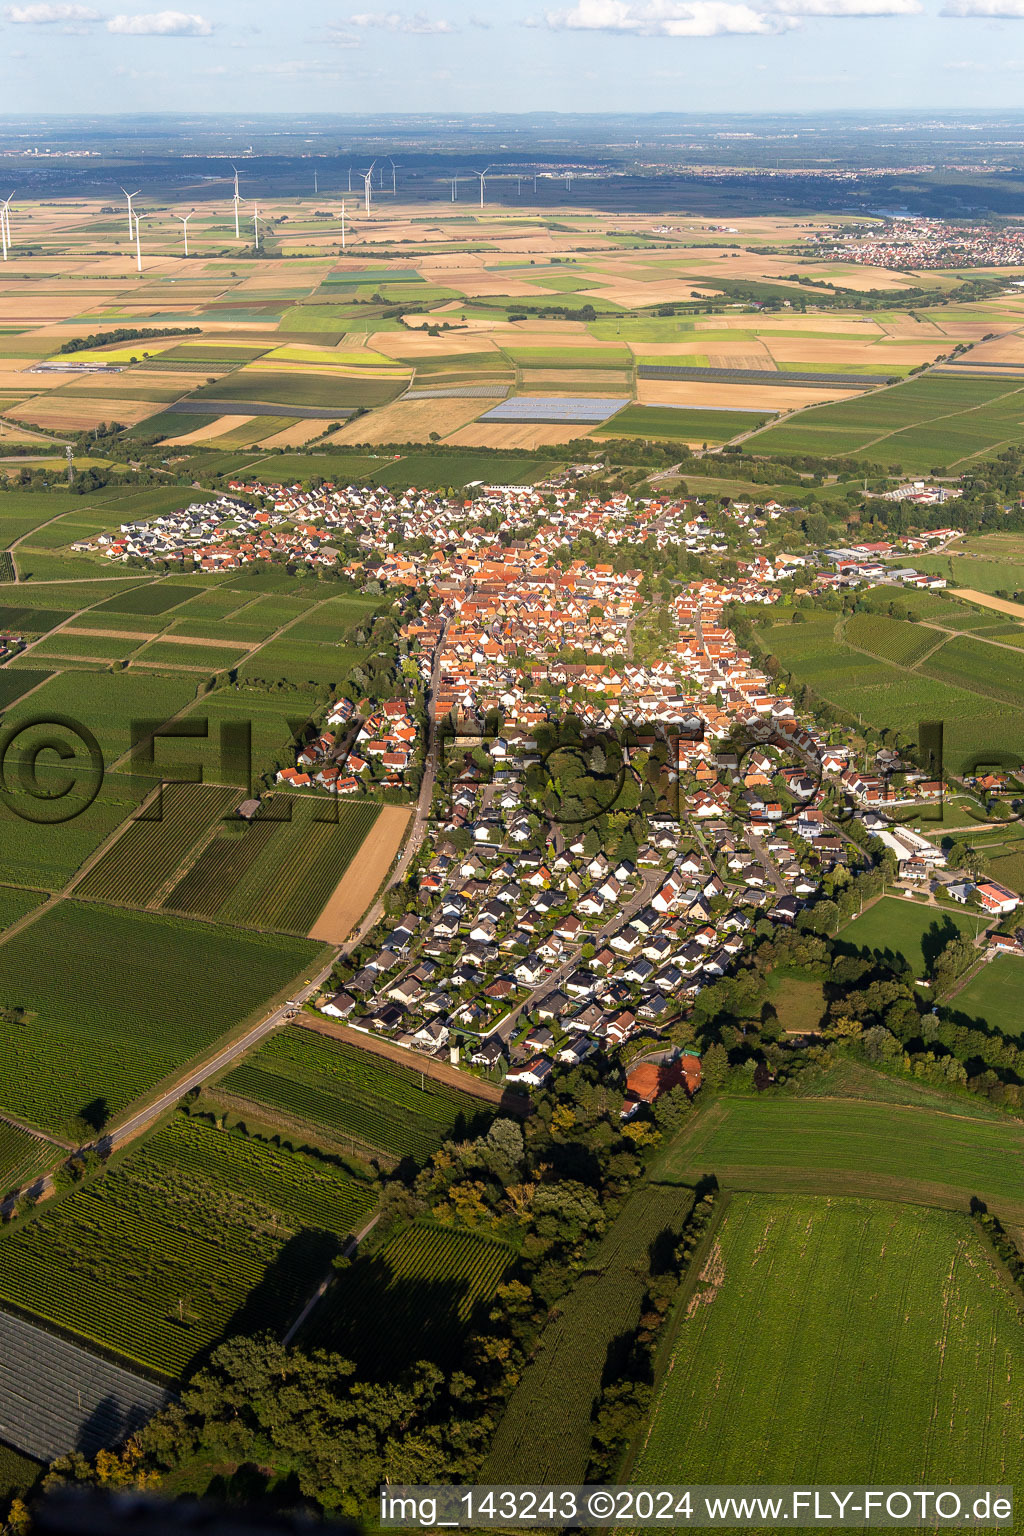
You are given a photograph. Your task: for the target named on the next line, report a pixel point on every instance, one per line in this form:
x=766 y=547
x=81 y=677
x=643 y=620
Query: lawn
x=116 y=1000
x=352 y=1095
x=197 y=1233
x=916 y=932
x=848 y=1341
x=995 y=996
x=837 y=1146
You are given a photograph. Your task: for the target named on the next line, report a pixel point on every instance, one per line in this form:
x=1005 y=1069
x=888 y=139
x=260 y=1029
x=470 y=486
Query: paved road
x=214 y=1064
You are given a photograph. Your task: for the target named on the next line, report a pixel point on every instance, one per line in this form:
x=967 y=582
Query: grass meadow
x=839 y=1340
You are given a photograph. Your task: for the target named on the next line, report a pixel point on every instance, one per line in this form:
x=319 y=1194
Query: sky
x=61 y=56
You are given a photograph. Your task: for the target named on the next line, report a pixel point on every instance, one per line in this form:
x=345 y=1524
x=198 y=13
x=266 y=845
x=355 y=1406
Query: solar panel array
x=557 y=409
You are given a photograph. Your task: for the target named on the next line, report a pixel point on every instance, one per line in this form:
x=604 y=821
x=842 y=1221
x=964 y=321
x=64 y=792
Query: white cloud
x=394 y=21
x=48 y=15
x=1012 y=10
x=338 y=39
x=161 y=24
x=666 y=18
x=850 y=7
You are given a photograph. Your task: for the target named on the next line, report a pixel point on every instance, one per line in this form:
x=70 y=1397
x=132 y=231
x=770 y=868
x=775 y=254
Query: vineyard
x=115 y=1000
x=22 y=1157
x=155 y=843
x=546 y=1429
x=884 y=1333
x=428 y=1282
x=281 y=872
x=198 y=1232
x=341 y=1091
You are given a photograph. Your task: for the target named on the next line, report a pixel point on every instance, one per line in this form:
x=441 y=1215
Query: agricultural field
x=156 y=843
x=355 y=1096
x=936 y=421
x=22 y=1157
x=887 y=1332
x=198 y=1232
x=694 y=426
x=848 y=1147
x=15 y=904
x=975 y=687
x=115 y=1000
x=430 y=1283
x=914 y=933
x=546 y=1429
x=277 y=873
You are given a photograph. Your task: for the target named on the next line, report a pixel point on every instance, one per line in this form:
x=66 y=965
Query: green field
x=342 y=1092
x=116 y=1000
x=197 y=1233
x=546 y=1429
x=843 y=1340
x=890 y=1151
x=931 y=421
x=22 y=1157
x=157 y=597
x=327 y=390
x=155 y=843
x=894 y=926
x=994 y=996
x=274 y=873
x=429 y=471
x=974 y=688
x=892 y=639
x=688 y=425
x=429 y=1282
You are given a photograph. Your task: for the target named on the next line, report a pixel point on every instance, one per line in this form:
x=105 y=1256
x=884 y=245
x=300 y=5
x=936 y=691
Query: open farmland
x=156 y=842
x=341 y=1091
x=889 y=1151
x=277 y=873
x=116 y=1000
x=198 y=1232
x=936 y=420
x=887 y=1332
x=546 y=1429
x=430 y=1282
x=688 y=425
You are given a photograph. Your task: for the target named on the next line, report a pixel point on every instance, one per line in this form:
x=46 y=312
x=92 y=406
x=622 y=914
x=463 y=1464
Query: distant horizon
x=455 y=58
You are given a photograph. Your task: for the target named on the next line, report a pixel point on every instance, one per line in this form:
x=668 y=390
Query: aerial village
x=520 y=943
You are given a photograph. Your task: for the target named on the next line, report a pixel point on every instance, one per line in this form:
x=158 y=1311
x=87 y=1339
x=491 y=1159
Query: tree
x=715 y=1065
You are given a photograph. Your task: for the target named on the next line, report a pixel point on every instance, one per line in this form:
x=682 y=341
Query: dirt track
x=361 y=881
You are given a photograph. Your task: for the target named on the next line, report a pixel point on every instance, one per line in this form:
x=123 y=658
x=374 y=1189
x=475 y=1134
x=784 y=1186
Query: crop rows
x=219 y=869
x=428 y=1282
x=353 y=1093
x=155 y=1259
x=301 y=865
x=116 y=999
x=885 y=1333
x=895 y=640
x=22 y=1157
x=149 y=851
x=7 y=572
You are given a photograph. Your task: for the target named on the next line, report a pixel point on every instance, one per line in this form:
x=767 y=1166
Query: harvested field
x=360 y=883
x=772 y=395
x=216 y=427
x=407 y=421
x=985 y=600
x=516 y=435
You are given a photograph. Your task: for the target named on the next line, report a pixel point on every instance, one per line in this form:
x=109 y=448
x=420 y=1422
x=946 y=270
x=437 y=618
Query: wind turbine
x=368 y=187
x=235 y=169
x=183 y=221
x=5 y=225
x=138 y=243
x=455 y=189
x=568 y=181
x=129 y=196
x=482 y=175
x=316 y=188
x=350 y=178
x=256 y=223
x=343 y=207
x=394 y=177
